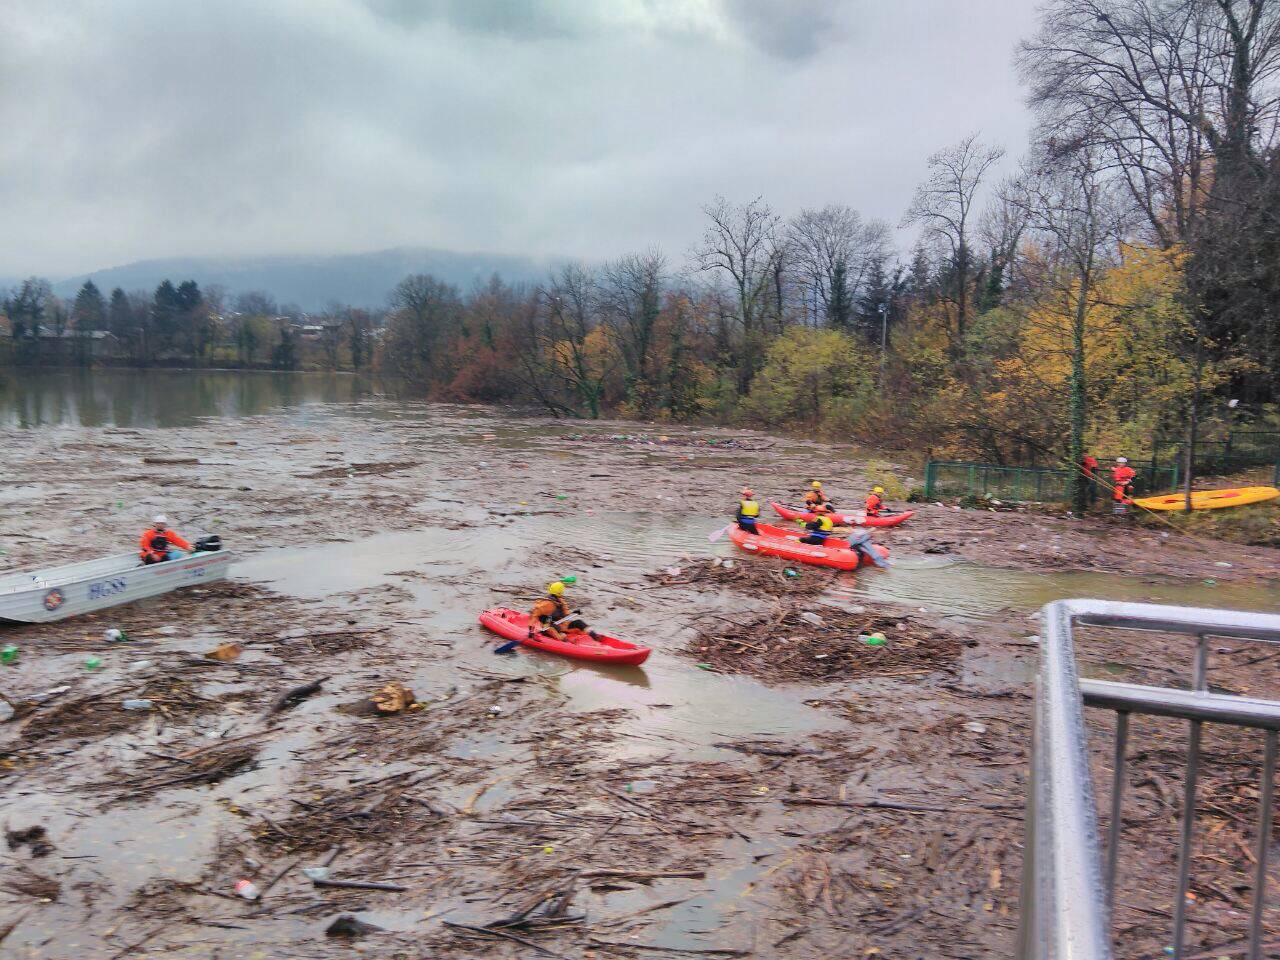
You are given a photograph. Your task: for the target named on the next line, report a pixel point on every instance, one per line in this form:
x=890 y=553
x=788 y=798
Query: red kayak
x=514 y=625
x=776 y=542
x=845 y=519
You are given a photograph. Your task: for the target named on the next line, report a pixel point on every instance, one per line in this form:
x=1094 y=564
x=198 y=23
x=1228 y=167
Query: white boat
x=42 y=596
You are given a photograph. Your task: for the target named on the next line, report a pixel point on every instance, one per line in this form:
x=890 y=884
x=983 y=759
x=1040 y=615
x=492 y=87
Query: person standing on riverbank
x=1122 y=476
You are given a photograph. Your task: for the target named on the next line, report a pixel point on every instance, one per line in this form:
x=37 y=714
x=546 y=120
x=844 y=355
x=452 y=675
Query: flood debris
x=201 y=766
x=758 y=576
x=791 y=647
x=294 y=696
x=349 y=926
x=35 y=838
x=225 y=652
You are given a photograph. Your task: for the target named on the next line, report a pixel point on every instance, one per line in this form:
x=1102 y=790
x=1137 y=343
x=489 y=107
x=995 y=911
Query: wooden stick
x=506 y=936
x=361 y=885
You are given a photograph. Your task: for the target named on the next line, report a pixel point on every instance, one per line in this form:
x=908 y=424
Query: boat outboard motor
x=209 y=544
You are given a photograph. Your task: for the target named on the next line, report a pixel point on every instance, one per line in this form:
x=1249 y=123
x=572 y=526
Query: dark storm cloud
x=585 y=128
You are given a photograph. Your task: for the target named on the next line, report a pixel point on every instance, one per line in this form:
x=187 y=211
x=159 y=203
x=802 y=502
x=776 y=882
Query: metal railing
x=1067 y=886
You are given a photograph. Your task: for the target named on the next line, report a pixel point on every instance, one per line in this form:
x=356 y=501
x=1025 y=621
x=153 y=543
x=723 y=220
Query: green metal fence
x=1241 y=450
x=945 y=479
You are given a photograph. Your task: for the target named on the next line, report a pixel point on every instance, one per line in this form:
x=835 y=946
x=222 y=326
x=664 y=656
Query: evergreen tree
x=90 y=309
x=991 y=290
x=876 y=294
x=840 y=306
x=165 y=310
x=285 y=354
x=120 y=319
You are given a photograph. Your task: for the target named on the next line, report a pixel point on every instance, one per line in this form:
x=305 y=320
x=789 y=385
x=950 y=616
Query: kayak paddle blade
x=507 y=647
x=720 y=533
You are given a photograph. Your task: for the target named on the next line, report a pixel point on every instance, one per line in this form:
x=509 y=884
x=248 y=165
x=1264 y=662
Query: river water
x=178 y=398
x=265 y=439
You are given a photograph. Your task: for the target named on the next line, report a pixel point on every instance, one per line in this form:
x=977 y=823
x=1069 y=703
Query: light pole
x=884 y=337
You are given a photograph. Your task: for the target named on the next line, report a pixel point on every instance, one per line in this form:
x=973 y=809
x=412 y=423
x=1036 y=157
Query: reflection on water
x=161 y=398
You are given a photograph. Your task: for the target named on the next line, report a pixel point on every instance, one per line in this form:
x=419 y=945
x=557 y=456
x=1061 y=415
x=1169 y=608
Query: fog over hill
x=359 y=279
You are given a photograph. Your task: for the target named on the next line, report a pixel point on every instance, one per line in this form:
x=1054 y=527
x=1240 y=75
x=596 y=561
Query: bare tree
x=631 y=291
x=834 y=251
x=577 y=350
x=424 y=310
x=743 y=244
x=1161 y=86
x=944 y=208
x=1079 y=218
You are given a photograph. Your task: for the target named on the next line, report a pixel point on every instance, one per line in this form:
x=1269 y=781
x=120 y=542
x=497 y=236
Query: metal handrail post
x=1077 y=910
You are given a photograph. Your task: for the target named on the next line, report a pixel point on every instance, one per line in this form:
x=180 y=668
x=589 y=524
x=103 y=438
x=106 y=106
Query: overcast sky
x=136 y=129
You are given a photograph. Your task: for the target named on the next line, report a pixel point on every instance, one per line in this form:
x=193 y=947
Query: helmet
x=817 y=484
x=556 y=589
x=877 y=489
x=1122 y=459
x=160 y=520
x=747 y=493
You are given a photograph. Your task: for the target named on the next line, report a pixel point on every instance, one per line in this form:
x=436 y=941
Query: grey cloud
x=529 y=20
x=131 y=132
x=794 y=30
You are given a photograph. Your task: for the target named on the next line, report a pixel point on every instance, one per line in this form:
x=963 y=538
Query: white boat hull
x=44 y=596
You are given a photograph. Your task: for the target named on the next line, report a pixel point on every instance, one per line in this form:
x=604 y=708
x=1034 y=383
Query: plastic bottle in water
x=114 y=636
x=137 y=704
x=9 y=654
x=247 y=889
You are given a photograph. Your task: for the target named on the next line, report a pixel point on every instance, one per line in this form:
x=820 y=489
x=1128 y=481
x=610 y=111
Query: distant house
x=100 y=343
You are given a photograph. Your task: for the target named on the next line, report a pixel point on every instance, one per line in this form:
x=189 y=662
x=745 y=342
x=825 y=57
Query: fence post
x=930 y=475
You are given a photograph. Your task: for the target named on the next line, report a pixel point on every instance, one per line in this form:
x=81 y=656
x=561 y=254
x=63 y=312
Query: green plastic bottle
x=92 y=663
x=9 y=654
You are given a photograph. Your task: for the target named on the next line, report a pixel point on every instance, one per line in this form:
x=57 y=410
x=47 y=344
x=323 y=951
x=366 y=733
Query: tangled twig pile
x=791 y=646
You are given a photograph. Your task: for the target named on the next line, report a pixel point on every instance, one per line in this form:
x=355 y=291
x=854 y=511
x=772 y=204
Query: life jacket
x=550 y=609
x=875 y=503
x=748 y=508
x=1123 y=477
x=821 y=523
x=155 y=545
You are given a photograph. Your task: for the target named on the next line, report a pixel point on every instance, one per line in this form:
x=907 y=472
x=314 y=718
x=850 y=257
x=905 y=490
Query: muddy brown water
x=451 y=544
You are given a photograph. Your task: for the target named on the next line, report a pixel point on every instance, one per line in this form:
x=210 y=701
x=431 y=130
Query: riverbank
x=724 y=799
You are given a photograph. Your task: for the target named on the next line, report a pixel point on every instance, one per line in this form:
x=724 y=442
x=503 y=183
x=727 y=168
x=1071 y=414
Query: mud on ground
x=808 y=796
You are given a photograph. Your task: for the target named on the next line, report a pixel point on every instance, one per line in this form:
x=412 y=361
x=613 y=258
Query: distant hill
x=360 y=279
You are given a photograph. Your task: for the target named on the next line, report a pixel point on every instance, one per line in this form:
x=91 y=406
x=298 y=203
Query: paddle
x=512 y=644
x=713 y=537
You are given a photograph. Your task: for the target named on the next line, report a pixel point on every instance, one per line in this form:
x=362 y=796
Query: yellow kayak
x=1210 y=499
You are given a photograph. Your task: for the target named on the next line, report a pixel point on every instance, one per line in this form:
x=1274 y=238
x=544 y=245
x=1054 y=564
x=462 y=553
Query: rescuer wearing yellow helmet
x=875 y=502
x=815 y=497
x=551 y=615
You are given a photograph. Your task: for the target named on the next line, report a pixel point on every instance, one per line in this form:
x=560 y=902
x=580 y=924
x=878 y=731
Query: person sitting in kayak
x=748 y=512
x=159 y=543
x=820 y=527
x=1122 y=475
x=875 y=502
x=815 y=497
x=552 y=615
